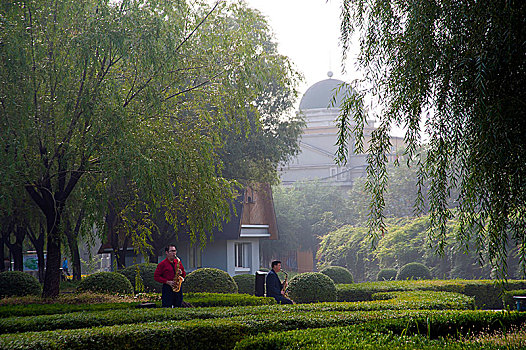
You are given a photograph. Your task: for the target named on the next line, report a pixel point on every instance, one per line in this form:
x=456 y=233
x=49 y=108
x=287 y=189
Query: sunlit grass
x=513 y=339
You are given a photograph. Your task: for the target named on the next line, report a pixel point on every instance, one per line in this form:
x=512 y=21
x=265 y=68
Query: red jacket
x=165 y=271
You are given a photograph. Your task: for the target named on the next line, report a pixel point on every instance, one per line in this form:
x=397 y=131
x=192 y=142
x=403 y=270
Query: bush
x=18 y=283
x=424 y=330
x=311 y=287
x=245 y=283
x=414 y=271
x=209 y=280
x=338 y=274
x=386 y=275
x=489 y=293
x=146 y=271
x=225 y=329
x=106 y=282
x=509 y=302
x=230 y=300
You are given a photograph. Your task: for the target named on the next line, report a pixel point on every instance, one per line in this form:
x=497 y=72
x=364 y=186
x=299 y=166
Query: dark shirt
x=273 y=284
x=165 y=271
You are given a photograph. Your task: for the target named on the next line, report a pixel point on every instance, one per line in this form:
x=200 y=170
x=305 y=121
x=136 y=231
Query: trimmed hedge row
x=220 y=299
x=340 y=338
x=51 y=309
x=508 y=300
x=196 y=299
x=487 y=293
x=223 y=333
x=398 y=301
x=433 y=331
x=245 y=283
x=427 y=300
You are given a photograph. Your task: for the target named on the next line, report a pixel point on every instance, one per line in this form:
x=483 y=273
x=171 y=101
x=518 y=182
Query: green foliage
x=386 y=275
x=59 y=308
x=146 y=271
x=458 y=67
x=133 y=97
x=432 y=331
x=106 y=282
x=223 y=299
x=338 y=274
x=311 y=287
x=487 y=293
x=404 y=241
x=347 y=246
x=304 y=212
x=225 y=331
x=209 y=280
x=425 y=300
x=400 y=196
x=246 y=283
x=65 y=316
x=18 y=283
x=508 y=301
x=413 y=271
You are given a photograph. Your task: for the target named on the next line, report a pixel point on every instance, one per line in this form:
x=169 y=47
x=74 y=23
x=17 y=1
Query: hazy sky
x=308 y=31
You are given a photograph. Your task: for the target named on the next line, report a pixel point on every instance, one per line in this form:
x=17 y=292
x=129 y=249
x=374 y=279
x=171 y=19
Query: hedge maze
x=390 y=315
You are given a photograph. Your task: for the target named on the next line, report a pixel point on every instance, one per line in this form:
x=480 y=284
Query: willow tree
x=94 y=91
x=458 y=67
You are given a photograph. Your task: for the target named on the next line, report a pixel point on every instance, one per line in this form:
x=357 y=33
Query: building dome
x=320 y=95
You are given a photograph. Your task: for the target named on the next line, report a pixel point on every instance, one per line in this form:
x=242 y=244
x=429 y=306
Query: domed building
x=320 y=106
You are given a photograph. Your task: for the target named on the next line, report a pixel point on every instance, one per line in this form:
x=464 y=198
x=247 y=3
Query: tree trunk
x=52 y=276
x=51 y=287
x=72 y=236
x=52 y=205
x=4 y=230
x=38 y=243
x=2 y=257
x=16 y=247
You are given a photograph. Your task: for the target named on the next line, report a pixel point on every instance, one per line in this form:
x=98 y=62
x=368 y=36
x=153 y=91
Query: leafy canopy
x=458 y=68
x=96 y=91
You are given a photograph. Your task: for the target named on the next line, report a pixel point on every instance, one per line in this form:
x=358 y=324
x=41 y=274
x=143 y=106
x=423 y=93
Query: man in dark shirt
x=275 y=288
x=165 y=273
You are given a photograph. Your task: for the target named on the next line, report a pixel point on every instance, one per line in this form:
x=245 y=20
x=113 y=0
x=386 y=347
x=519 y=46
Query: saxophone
x=178 y=279
x=285 y=294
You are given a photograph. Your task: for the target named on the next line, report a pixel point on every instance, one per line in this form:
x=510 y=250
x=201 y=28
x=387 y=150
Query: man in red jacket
x=165 y=273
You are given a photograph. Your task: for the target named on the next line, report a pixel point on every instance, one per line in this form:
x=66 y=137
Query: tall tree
x=118 y=90
x=459 y=67
x=304 y=213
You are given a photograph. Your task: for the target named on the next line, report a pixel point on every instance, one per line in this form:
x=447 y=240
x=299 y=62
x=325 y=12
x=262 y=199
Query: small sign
x=30 y=262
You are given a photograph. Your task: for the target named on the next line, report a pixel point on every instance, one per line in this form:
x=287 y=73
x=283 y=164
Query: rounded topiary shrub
x=18 y=283
x=209 y=280
x=414 y=271
x=386 y=275
x=106 y=282
x=310 y=287
x=146 y=271
x=246 y=283
x=338 y=274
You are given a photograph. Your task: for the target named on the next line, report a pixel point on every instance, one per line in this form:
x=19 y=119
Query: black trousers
x=170 y=298
x=282 y=300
